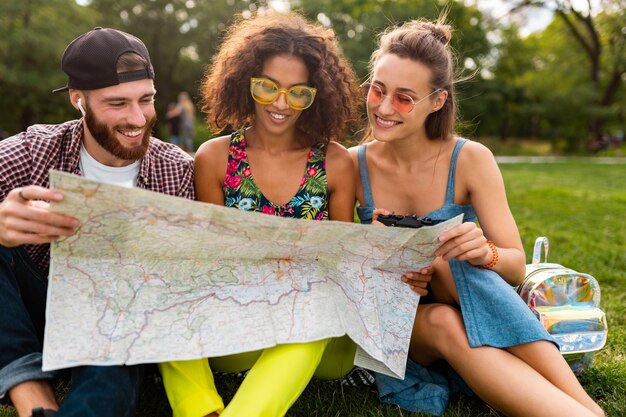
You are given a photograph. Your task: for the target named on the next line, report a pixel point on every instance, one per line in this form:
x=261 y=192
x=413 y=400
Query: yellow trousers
x=277 y=377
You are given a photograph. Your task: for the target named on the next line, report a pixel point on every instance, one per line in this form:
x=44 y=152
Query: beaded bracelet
x=494 y=259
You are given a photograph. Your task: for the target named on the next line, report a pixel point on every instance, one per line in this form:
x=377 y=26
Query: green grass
x=518 y=147
x=581 y=207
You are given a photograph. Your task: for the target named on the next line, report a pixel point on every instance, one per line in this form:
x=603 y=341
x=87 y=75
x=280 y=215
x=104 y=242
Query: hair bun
x=442 y=33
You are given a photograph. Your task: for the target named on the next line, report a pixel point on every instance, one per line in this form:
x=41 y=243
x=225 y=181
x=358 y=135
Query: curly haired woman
x=286 y=88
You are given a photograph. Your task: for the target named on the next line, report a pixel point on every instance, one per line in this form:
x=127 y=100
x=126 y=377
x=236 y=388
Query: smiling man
x=111 y=84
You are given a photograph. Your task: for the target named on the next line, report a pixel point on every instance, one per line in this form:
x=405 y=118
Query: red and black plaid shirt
x=28 y=157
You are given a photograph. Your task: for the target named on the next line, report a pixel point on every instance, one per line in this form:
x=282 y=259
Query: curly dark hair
x=249 y=43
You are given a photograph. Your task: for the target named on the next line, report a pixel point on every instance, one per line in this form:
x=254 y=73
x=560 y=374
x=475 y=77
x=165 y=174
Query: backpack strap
x=537 y=249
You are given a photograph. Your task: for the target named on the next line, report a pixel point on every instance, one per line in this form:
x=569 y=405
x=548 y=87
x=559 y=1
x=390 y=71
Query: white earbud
x=80 y=106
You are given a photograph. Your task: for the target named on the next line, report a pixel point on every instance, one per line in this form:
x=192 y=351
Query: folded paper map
x=152 y=278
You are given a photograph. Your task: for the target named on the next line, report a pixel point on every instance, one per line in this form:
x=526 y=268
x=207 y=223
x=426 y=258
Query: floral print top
x=240 y=190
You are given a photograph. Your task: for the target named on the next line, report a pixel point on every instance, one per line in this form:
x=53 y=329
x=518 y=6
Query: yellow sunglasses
x=266 y=91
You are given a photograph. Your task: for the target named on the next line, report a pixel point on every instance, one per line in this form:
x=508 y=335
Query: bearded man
x=111 y=82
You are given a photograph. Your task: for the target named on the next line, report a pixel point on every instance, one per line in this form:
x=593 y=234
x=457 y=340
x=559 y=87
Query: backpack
x=567 y=303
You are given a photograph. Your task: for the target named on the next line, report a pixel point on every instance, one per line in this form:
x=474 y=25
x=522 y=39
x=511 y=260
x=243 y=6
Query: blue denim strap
x=365 y=177
x=450 y=187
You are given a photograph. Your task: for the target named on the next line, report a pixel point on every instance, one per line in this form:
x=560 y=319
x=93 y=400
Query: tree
x=505 y=92
x=601 y=35
x=357 y=22
x=33 y=36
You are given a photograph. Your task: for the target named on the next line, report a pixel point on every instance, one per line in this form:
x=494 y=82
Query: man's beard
x=106 y=137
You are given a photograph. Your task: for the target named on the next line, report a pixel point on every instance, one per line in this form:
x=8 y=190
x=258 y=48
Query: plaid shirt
x=28 y=157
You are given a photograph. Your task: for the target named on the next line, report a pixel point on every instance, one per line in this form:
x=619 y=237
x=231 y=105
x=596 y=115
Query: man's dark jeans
x=94 y=390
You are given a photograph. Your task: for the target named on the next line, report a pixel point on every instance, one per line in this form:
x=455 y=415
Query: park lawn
x=581 y=207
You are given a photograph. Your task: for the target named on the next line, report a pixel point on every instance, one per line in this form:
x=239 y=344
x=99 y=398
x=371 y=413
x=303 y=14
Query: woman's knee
x=238 y=362
x=442 y=325
x=338 y=358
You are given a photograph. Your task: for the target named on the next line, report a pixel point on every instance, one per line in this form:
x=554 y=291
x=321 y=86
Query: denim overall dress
x=493 y=313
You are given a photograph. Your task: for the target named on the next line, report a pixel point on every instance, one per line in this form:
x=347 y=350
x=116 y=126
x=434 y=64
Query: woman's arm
x=478 y=178
x=210 y=170
x=340 y=174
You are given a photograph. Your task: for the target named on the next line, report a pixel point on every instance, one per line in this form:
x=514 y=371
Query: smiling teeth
x=277 y=116
x=132 y=134
x=386 y=122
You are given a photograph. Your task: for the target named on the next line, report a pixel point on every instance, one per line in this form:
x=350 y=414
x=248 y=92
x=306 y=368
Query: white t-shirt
x=94 y=170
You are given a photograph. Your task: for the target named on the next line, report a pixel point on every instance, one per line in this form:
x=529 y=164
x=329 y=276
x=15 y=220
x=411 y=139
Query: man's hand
x=25 y=217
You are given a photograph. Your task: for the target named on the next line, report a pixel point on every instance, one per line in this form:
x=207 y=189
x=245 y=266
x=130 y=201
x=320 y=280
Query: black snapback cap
x=90 y=61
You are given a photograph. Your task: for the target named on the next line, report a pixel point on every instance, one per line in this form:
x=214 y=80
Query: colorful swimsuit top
x=240 y=190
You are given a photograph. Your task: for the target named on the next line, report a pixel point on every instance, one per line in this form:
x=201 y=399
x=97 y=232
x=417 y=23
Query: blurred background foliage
x=562 y=85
